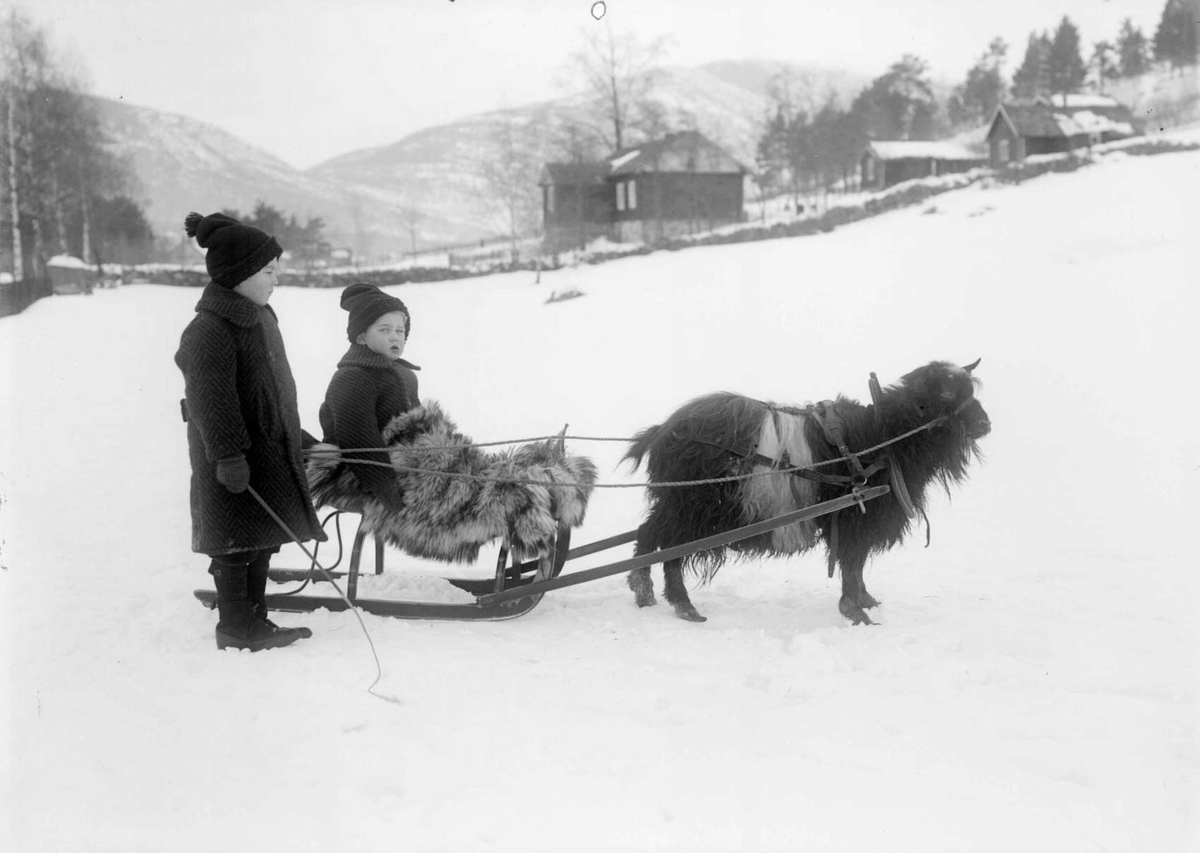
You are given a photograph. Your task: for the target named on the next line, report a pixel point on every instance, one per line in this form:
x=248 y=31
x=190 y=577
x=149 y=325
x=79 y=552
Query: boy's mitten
x=392 y=498
x=234 y=473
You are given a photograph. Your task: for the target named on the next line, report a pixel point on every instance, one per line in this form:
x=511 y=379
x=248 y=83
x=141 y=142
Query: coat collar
x=362 y=356
x=231 y=306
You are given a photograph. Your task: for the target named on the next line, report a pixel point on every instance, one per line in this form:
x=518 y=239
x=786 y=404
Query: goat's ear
x=972 y=365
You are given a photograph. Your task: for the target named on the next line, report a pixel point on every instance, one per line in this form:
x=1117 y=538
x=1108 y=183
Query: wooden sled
x=517 y=588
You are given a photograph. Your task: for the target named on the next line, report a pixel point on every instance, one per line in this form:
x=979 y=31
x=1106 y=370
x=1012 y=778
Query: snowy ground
x=1033 y=684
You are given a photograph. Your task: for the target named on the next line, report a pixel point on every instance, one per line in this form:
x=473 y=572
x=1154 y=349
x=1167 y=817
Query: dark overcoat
x=365 y=393
x=241 y=400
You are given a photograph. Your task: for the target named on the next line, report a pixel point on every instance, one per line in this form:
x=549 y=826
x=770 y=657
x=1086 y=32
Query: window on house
x=1002 y=153
x=620 y=196
x=550 y=199
x=633 y=195
x=869 y=168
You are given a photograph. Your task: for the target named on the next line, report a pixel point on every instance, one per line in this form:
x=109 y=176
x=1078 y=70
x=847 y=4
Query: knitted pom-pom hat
x=235 y=251
x=366 y=304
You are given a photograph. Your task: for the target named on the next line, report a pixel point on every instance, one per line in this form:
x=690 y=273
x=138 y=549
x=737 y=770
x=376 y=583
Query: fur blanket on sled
x=451 y=518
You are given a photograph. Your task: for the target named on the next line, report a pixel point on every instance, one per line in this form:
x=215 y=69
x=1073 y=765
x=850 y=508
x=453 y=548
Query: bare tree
x=56 y=167
x=508 y=175
x=411 y=218
x=619 y=73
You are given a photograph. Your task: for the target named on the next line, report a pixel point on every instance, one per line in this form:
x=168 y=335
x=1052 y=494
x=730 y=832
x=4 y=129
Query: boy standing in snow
x=372 y=385
x=243 y=430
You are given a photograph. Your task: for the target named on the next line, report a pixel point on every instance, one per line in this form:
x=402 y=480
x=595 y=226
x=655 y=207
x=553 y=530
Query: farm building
x=69 y=274
x=886 y=163
x=577 y=203
x=666 y=188
x=1055 y=125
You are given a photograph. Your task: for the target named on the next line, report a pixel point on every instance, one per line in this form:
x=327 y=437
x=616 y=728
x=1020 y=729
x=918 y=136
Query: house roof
x=687 y=151
x=915 y=150
x=573 y=174
x=1082 y=114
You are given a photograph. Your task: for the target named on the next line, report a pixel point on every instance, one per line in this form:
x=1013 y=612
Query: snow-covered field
x=1033 y=685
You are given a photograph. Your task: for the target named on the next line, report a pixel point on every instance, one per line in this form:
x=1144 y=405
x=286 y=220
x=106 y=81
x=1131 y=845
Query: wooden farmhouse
x=1056 y=125
x=887 y=163
x=680 y=184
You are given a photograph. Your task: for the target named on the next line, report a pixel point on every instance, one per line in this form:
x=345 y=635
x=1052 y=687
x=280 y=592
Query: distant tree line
x=807 y=146
x=306 y=244
x=64 y=192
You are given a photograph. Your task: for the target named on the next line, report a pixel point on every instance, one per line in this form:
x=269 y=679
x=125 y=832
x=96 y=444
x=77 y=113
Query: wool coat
x=365 y=393
x=241 y=400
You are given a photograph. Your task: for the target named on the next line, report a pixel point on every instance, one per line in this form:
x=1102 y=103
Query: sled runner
x=517 y=588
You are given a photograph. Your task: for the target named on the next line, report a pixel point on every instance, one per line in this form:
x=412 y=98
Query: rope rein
x=569 y=484
x=328 y=577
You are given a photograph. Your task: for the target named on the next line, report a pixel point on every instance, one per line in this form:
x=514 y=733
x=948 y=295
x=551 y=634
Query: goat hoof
x=646 y=600
x=689 y=613
x=850 y=609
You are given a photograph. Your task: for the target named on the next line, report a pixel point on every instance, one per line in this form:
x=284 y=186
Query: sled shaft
x=684 y=550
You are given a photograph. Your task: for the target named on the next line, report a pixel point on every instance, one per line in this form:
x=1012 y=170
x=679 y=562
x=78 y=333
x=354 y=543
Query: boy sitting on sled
x=372 y=385
x=436 y=494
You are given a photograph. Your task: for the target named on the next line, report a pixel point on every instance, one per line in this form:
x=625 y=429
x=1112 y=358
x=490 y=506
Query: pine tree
x=1175 y=40
x=1065 y=67
x=1133 y=50
x=900 y=104
x=1032 y=78
x=984 y=86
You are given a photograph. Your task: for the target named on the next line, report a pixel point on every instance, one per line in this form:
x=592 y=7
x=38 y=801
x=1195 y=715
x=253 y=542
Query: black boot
x=257 y=586
x=239 y=626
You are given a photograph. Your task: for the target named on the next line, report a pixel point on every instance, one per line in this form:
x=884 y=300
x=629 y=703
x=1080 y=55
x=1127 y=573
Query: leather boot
x=238 y=626
x=257 y=586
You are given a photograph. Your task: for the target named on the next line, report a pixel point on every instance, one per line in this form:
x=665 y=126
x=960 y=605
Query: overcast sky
x=311 y=79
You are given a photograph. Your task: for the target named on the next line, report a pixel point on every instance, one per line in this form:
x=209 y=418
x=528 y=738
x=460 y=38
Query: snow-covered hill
x=1033 y=684
x=181 y=164
x=372 y=198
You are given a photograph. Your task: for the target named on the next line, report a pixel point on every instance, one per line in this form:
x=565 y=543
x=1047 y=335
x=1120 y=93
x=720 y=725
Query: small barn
x=577 y=203
x=679 y=184
x=1056 y=125
x=887 y=163
x=69 y=274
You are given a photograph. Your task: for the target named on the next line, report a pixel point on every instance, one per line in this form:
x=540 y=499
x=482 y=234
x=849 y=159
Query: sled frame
x=517 y=588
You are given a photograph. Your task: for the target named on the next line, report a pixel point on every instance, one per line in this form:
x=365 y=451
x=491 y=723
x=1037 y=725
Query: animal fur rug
x=450 y=518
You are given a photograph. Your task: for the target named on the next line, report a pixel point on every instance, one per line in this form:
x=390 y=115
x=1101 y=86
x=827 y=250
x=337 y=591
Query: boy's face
x=258 y=287
x=387 y=335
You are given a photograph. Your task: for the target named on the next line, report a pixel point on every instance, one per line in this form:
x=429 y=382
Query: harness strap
x=895 y=475
x=833 y=543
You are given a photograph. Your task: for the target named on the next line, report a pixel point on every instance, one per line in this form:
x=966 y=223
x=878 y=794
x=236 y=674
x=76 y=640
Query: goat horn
x=972 y=365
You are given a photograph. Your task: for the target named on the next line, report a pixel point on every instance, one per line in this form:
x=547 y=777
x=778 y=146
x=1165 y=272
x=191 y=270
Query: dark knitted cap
x=366 y=304
x=235 y=251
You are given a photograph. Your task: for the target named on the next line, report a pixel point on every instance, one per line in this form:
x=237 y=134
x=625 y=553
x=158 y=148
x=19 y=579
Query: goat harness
x=833 y=428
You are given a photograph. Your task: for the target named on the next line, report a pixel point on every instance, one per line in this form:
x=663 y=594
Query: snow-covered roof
x=685 y=151
x=572 y=173
x=1040 y=119
x=1076 y=101
x=933 y=150
x=623 y=159
x=67 y=261
x=1086 y=121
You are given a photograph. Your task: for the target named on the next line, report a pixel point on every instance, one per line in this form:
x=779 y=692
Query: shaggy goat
x=723 y=435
